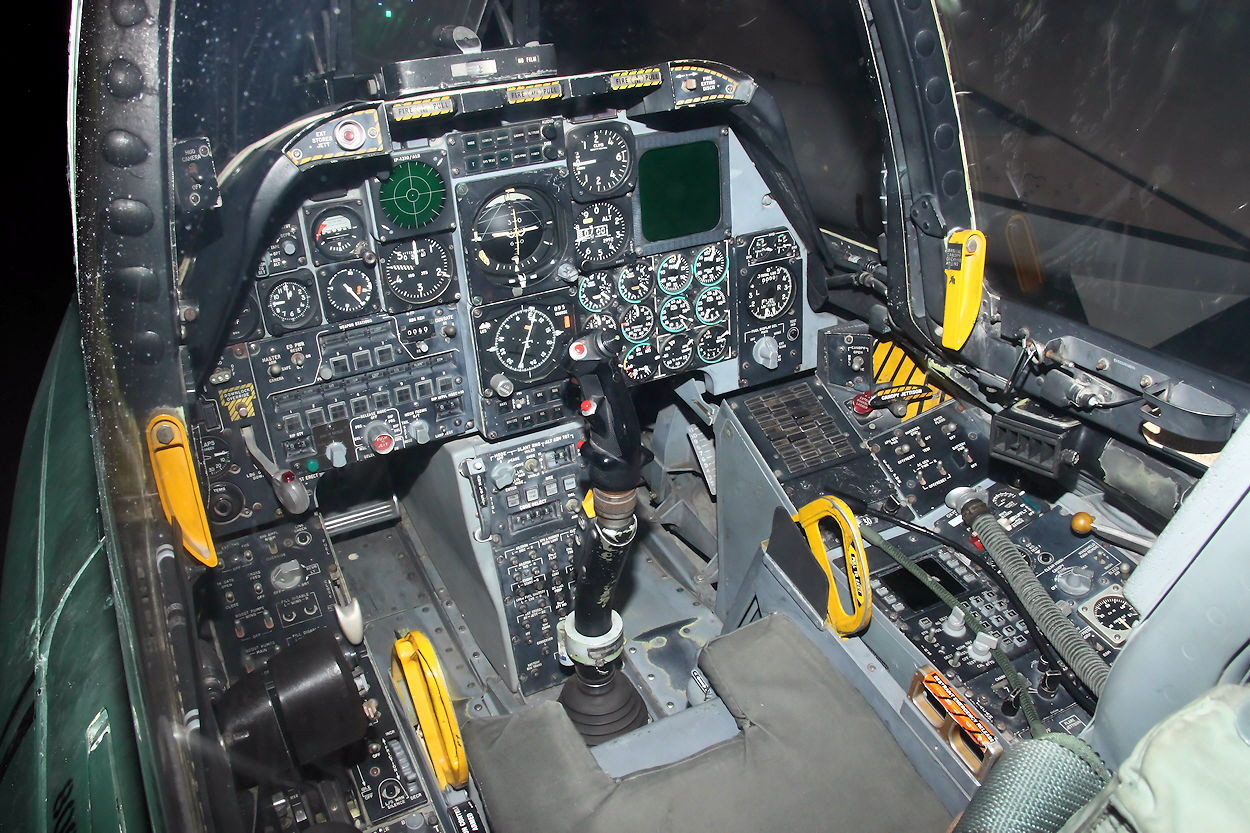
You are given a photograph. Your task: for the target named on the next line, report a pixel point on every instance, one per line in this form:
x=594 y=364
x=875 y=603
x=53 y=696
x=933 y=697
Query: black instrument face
x=713 y=344
x=339 y=234
x=348 y=292
x=290 y=302
x=633 y=284
x=600 y=233
x=673 y=274
x=601 y=160
x=641 y=364
x=712 y=305
x=524 y=343
x=514 y=234
x=770 y=292
x=677 y=314
x=595 y=291
x=637 y=322
x=711 y=265
x=677 y=352
x=418 y=271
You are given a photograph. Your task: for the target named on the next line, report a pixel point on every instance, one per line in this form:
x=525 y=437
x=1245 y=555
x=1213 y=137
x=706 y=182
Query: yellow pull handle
x=965 y=276
x=176 y=483
x=809 y=517
x=416 y=672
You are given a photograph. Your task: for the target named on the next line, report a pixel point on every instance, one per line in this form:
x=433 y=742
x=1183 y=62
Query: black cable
x=1079 y=693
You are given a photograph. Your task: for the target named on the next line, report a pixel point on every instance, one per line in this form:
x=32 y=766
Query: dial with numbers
x=600 y=233
x=418 y=271
x=637 y=322
x=601 y=159
x=770 y=292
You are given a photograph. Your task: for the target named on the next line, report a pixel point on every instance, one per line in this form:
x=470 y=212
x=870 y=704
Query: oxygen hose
x=1014 y=678
x=1090 y=668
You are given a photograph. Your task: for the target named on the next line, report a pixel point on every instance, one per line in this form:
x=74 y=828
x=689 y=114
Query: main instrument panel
x=433 y=292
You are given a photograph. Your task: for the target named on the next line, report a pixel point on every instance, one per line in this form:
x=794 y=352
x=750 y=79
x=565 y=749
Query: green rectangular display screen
x=679 y=190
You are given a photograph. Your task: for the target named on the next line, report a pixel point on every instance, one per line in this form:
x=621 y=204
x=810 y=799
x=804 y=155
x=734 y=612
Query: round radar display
x=515 y=232
x=413 y=196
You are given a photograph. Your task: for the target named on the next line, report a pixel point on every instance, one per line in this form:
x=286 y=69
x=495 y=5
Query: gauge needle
x=529 y=331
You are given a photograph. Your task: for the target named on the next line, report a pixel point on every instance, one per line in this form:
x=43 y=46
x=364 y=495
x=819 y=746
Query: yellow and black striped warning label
x=892 y=367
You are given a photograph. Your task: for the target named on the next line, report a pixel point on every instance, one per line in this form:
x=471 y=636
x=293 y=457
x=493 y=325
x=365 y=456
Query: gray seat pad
x=811 y=756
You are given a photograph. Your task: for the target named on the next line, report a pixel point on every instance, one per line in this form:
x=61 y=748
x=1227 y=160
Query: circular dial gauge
x=600 y=160
x=413 y=195
x=285 y=253
x=515 y=232
x=673 y=274
x=637 y=323
x=244 y=325
x=349 y=290
x=215 y=455
x=677 y=352
x=633 y=284
x=525 y=342
x=600 y=233
x=640 y=363
x=710 y=265
x=418 y=271
x=770 y=292
x=599 y=321
x=595 y=291
x=712 y=305
x=289 y=302
x=339 y=234
x=677 y=314
x=1115 y=613
x=713 y=344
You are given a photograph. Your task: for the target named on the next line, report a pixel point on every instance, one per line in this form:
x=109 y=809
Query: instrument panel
x=433 y=292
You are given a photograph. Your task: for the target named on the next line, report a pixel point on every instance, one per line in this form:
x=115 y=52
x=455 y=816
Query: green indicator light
x=312 y=466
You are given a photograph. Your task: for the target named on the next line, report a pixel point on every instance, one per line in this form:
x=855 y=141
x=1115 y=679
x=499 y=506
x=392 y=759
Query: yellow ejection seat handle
x=170 y=453
x=809 y=517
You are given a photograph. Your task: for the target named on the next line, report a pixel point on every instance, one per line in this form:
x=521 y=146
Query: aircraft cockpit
x=505 y=419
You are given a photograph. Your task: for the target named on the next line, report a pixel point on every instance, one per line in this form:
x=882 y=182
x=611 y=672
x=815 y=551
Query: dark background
x=39 y=287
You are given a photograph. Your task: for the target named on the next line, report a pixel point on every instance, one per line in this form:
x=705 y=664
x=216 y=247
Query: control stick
x=602 y=702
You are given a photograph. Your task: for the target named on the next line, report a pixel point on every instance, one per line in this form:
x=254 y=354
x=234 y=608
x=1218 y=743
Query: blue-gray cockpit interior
x=503 y=422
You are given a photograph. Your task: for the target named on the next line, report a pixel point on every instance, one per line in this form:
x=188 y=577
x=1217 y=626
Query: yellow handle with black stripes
x=809 y=517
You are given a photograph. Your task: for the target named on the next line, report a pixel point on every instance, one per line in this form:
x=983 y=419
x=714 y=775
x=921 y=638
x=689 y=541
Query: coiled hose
x=1086 y=664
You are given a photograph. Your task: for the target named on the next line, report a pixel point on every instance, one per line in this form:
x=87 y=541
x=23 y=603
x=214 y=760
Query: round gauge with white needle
x=349 y=291
x=713 y=344
x=637 y=322
x=640 y=363
x=524 y=343
x=712 y=305
x=601 y=160
x=677 y=314
x=710 y=265
x=418 y=271
x=677 y=352
x=673 y=274
x=633 y=284
x=289 y=303
x=595 y=291
x=769 y=292
x=600 y=233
